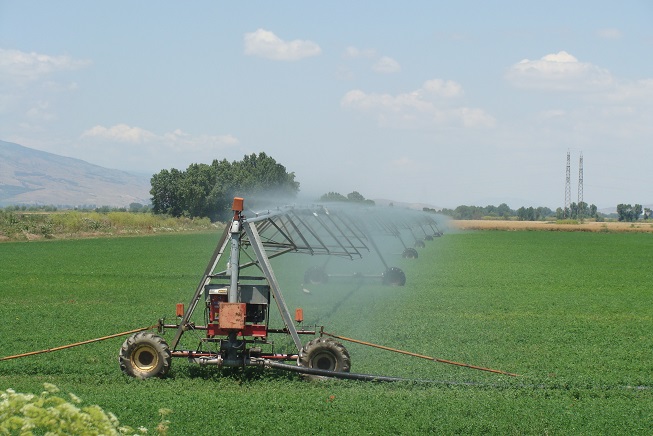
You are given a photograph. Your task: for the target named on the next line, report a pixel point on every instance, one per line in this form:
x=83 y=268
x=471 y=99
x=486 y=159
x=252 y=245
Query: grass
x=570 y=312
x=29 y=226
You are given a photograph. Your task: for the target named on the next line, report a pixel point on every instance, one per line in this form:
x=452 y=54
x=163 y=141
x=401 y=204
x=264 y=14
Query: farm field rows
x=568 y=311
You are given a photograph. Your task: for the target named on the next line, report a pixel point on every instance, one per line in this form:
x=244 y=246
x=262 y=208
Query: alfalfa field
x=570 y=312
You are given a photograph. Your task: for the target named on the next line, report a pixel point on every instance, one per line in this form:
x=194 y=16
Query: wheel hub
x=145 y=358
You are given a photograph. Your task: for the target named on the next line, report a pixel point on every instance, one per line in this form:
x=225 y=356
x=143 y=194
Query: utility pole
x=567 y=210
x=580 y=188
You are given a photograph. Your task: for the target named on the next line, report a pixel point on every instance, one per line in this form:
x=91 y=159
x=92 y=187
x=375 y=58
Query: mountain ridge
x=33 y=177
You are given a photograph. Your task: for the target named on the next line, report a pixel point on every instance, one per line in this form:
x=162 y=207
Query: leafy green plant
x=48 y=413
x=26 y=225
x=569 y=312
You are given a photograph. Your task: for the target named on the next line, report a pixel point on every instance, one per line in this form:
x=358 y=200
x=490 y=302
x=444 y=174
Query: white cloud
x=609 y=33
x=429 y=106
x=175 y=140
x=558 y=71
x=386 y=65
x=633 y=91
x=120 y=133
x=382 y=64
x=352 y=52
x=266 y=44
x=22 y=67
x=444 y=88
x=133 y=148
x=41 y=111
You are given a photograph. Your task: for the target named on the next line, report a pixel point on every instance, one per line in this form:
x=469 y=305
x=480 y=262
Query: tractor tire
x=144 y=355
x=325 y=354
x=410 y=253
x=315 y=275
x=394 y=277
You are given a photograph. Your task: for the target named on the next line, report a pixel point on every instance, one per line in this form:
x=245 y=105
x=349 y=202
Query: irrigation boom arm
x=264 y=264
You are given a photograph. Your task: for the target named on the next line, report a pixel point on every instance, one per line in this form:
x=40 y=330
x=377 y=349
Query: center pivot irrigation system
x=236 y=303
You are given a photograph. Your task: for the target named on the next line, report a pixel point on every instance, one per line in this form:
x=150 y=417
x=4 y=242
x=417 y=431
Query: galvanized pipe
x=332 y=374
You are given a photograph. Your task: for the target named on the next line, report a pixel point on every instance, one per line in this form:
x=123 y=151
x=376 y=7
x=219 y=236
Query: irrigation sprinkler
x=430 y=222
x=236 y=331
x=360 y=230
x=391 y=227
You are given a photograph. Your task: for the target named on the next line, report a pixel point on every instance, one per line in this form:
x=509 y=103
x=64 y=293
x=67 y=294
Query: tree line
x=629 y=213
x=503 y=211
x=352 y=197
x=204 y=190
x=207 y=191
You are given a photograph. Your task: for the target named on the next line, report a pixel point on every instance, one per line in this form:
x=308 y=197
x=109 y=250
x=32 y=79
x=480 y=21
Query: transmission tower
x=580 y=187
x=567 y=210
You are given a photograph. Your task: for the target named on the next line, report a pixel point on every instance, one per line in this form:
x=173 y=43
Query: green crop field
x=571 y=313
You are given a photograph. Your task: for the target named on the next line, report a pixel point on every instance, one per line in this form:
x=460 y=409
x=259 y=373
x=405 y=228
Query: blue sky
x=445 y=103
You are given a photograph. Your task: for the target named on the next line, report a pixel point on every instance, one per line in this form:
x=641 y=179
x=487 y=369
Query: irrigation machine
x=234 y=330
x=237 y=302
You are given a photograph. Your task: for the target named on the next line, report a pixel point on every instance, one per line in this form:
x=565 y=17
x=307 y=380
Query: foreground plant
x=47 y=413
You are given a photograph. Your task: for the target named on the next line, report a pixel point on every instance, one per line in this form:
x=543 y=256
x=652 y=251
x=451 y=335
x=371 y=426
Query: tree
x=628 y=213
x=166 y=196
x=332 y=196
x=135 y=207
x=593 y=211
x=261 y=174
x=352 y=197
x=527 y=214
x=208 y=190
x=504 y=210
x=582 y=210
x=355 y=196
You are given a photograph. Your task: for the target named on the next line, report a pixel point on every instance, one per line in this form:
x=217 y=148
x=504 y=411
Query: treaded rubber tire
x=410 y=253
x=394 y=276
x=324 y=353
x=315 y=275
x=144 y=355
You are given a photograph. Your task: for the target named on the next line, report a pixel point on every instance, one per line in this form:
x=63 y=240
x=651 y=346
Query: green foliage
x=208 y=190
x=567 y=221
x=629 y=213
x=579 y=211
x=570 y=312
x=353 y=197
x=476 y=212
x=503 y=211
x=47 y=413
x=27 y=226
x=333 y=196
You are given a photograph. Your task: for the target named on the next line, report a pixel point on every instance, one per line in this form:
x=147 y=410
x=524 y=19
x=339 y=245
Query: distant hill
x=34 y=177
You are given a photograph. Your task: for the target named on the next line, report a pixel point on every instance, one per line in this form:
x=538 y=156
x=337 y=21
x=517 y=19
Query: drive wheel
x=325 y=354
x=410 y=253
x=145 y=355
x=394 y=277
